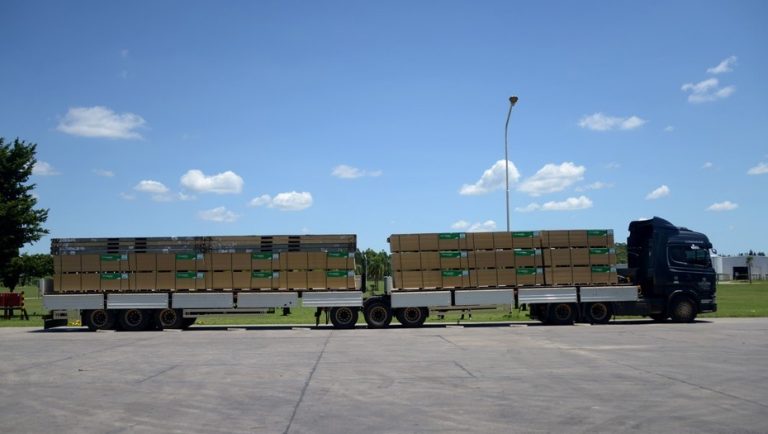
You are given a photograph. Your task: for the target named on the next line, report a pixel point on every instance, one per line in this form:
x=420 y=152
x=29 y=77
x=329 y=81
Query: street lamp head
x=513 y=100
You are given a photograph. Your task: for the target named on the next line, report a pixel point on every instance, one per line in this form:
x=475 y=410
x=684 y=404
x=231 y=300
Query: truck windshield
x=689 y=255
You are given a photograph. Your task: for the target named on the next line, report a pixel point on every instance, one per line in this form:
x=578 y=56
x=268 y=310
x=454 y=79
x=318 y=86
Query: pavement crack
x=157 y=374
x=464 y=369
x=306 y=383
x=450 y=341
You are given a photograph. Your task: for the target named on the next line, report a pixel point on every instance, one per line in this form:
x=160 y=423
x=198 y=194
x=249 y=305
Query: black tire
x=659 y=317
x=683 y=310
x=187 y=322
x=540 y=312
x=134 y=320
x=99 y=319
x=344 y=317
x=412 y=316
x=169 y=319
x=561 y=314
x=598 y=313
x=377 y=314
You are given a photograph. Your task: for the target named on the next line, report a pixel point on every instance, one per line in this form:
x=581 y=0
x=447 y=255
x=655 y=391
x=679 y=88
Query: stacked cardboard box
x=199 y=263
x=502 y=259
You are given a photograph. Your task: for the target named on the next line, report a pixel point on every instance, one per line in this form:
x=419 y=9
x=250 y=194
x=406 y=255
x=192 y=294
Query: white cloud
x=570 y=204
x=127 y=196
x=104 y=173
x=348 y=172
x=601 y=122
x=492 y=179
x=150 y=186
x=760 y=169
x=41 y=168
x=724 y=66
x=595 y=186
x=707 y=90
x=552 y=178
x=669 y=129
x=220 y=215
x=707 y=165
x=223 y=183
x=612 y=165
x=101 y=122
x=723 y=206
x=658 y=193
x=486 y=226
x=288 y=201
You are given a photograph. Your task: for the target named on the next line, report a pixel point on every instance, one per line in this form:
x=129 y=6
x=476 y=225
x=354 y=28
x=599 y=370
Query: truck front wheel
x=683 y=310
x=99 y=319
x=344 y=317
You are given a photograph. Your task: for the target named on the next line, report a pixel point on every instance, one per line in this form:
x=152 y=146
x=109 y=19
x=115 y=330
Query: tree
x=621 y=253
x=22 y=269
x=20 y=222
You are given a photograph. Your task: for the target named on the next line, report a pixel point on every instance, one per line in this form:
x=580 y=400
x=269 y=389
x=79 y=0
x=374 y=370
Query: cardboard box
x=189 y=261
x=340 y=261
x=555 y=257
x=264 y=279
x=483 y=259
x=579 y=256
x=221 y=261
x=601 y=256
x=505 y=259
x=294 y=261
x=600 y=238
x=90 y=282
x=319 y=260
x=482 y=241
x=506 y=276
x=166 y=280
x=451 y=259
x=428 y=261
x=431 y=242
x=602 y=274
x=482 y=278
x=526 y=240
x=578 y=238
x=221 y=279
x=316 y=279
x=144 y=280
x=114 y=281
x=431 y=278
x=406 y=261
x=502 y=240
x=404 y=243
x=558 y=276
x=142 y=261
x=166 y=261
x=527 y=276
x=528 y=258
x=455 y=278
x=113 y=263
x=89 y=263
x=340 y=279
x=582 y=275
x=555 y=238
x=241 y=279
x=293 y=279
x=408 y=280
x=241 y=261
x=190 y=280
x=265 y=261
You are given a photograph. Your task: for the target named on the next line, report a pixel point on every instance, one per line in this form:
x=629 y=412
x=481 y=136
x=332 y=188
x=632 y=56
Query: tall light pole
x=512 y=102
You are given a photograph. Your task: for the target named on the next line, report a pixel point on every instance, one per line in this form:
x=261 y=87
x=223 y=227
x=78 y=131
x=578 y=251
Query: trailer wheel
x=377 y=314
x=344 y=317
x=169 y=319
x=99 y=319
x=540 y=312
x=561 y=314
x=412 y=316
x=598 y=313
x=683 y=310
x=134 y=320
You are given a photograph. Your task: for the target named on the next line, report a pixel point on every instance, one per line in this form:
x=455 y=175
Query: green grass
x=735 y=300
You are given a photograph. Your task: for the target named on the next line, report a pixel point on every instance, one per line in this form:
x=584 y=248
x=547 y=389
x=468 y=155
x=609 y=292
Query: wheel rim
x=378 y=314
x=412 y=314
x=168 y=317
x=562 y=312
x=99 y=318
x=684 y=309
x=598 y=311
x=344 y=315
x=133 y=317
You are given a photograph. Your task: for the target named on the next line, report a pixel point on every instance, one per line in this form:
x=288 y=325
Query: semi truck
x=668 y=276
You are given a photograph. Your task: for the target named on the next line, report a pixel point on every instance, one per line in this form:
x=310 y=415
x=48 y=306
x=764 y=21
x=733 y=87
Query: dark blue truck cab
x=673 y=268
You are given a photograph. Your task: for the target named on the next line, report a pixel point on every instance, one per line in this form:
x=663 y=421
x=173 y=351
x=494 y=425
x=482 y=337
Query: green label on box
x=261 y=255
x=114 y=257
x=338 y=254
x=454 y=273
x=602 y=269
x=261 y=274
x=113 y=276
x=450 y=254
x=452 y=236
x=185 y=256
x=190 y=275
x=527 y=271
x=599 y=251
x=597 y=232
x=523 y=234
x=525 y=252
x=337 y=273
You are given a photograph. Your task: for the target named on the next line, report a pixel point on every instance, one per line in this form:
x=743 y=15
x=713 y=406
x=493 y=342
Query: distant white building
x=735 y=267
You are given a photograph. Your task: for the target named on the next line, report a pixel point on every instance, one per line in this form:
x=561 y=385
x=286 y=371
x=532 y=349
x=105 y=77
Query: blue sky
x=205 y=118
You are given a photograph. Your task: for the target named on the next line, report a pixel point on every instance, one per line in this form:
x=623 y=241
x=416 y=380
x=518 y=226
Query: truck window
x=688 y=255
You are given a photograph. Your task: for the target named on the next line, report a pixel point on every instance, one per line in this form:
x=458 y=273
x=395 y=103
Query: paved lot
x=639 y=377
